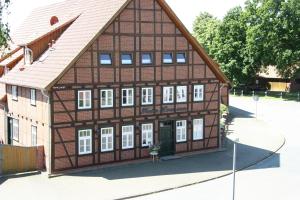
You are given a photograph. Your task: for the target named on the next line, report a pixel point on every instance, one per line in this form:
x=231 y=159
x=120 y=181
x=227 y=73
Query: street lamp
x=234 y=166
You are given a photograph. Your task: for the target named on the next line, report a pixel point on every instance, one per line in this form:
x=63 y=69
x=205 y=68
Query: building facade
x=142 y=81
x=138 y=84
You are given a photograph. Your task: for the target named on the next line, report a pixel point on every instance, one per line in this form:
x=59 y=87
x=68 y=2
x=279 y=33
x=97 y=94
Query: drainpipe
x=44 y=93
x=5 y=124
x=220 y=117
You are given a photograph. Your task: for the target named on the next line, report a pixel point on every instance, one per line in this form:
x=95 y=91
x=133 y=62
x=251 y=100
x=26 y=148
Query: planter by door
x=166 y=138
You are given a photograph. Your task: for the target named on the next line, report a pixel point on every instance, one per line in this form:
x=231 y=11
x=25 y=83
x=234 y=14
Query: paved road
x=145 y=177
x=277 y=178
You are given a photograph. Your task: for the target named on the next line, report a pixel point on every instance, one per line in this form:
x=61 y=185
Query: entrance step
x=165 y=158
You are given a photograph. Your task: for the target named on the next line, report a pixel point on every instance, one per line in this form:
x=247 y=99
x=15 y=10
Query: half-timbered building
x=117 y=76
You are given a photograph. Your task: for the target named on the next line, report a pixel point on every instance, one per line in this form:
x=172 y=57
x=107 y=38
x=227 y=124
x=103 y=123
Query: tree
x=225 y=42
x=4 y=29
x=273 y=34
x=265 y=32
x=205 y=29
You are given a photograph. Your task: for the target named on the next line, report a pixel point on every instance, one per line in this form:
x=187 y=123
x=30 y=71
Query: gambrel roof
x=92 y=17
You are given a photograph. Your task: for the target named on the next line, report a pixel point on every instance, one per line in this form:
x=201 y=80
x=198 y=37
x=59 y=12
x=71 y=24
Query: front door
x=166 y=138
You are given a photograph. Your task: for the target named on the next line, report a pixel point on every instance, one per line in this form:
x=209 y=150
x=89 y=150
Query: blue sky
x=186 y=10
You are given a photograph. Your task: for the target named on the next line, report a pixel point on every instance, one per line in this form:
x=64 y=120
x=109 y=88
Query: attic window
x=28 y=56
x=53 y=20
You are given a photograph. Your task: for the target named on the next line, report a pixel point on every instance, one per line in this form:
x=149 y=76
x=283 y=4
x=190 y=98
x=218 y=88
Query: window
x=105 y=59
x=15 y=129
x=181 y=94
x=28 y=57
x=167 y=58
x=107 y=142
x=168 y=95
x=107 y=98
x=198 y=93
x=33 y=135
x=197 y=129
x=127 y=97
x=127 y=137
x=147 y=135
x=126 y=59
x=84 y=99
x=85 y=141
x=180 y=58
x=147 y=96
x=146 y=58
x=14 y=92
x=181 y=131
x=33 y=97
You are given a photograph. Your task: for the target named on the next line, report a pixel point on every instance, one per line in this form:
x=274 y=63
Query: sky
x=186 y=10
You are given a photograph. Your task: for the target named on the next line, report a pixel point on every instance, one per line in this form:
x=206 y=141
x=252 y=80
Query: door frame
x=172 y=126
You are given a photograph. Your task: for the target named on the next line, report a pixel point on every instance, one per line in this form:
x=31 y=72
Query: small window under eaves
x=105 y=59
x=126 y=59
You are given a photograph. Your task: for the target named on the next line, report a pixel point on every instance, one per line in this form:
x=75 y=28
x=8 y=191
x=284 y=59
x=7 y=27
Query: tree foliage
x=265 y=32
x=4 y=29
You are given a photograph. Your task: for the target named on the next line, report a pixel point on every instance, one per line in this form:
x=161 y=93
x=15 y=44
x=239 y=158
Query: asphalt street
x=276 y=178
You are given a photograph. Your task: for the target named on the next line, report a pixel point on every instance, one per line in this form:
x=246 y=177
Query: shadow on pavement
x=201 y=163
x=11 y=176
x=239 y=113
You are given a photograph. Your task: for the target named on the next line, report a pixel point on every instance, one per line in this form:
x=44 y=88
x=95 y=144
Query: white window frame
x=87 y=141
x=181 y=94
x=147 y=134
x=168 y=91
x=106 y=137
x=181 y=127
x=106 y=98
x=33 y=97
x=128 y=98
x=15 y=129
x=127 y=137
x=198 y=129
x=85 y=99
x=148 y=100
x=198 y=96
x=33 y=135
x=14 y=92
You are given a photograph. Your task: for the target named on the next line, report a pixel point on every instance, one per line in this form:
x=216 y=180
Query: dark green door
x=166 y=139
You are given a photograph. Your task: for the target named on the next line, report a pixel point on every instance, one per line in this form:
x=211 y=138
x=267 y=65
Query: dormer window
x=28 y=56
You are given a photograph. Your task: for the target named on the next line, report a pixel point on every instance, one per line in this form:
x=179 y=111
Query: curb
x=198 y=182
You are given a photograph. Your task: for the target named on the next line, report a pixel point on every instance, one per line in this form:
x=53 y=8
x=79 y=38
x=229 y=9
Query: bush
x=224 y=109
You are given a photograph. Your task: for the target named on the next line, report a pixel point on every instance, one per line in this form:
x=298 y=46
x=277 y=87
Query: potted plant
x=154 y=149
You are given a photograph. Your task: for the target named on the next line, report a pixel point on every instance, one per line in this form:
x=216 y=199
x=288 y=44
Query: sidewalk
x=257 y=141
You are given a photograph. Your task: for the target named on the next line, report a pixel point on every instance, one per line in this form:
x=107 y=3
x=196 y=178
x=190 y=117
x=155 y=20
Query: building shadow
x=201 y=163
x=239 y=113
x=20 y=175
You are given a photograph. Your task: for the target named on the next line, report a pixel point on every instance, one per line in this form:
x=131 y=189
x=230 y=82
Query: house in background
x=271 y=79
x=100 y=81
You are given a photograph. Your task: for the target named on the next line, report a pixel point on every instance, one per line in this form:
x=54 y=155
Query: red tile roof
x=94 y=17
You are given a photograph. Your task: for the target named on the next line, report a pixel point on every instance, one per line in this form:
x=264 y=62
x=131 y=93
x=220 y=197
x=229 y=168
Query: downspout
x=44 y=93
x=5 y=123
x=220 y=116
